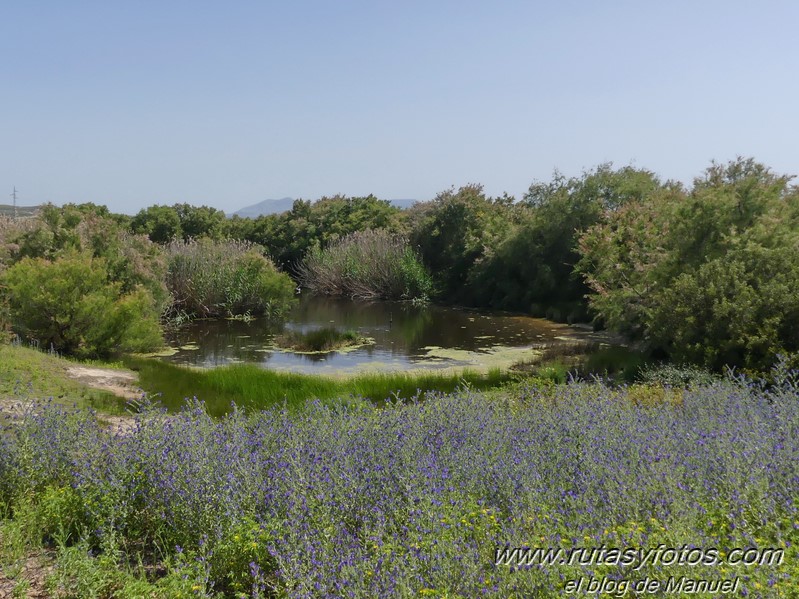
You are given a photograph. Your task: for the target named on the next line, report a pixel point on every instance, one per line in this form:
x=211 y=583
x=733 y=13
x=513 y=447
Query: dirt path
x=123 y=383
x=119 y=382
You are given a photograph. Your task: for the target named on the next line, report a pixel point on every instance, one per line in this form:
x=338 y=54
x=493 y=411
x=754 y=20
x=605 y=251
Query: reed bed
x=371 y=264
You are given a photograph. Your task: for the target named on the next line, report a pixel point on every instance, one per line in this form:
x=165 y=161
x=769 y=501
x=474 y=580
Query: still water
x=405 y=337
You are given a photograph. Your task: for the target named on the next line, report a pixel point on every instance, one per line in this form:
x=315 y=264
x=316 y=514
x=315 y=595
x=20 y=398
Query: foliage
x=163 y=224
x=318 y=340
x=131 y=260
x=366 y=265
x=227 y=278
x=705 y=276
x=71 y=304
x=677 y=375
x=289 y=236
x=532 y=268
x=415 y=499
x=160 y=223
x=455 y=231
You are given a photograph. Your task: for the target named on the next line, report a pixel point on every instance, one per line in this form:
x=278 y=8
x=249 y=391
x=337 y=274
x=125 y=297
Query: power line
x=14 y=195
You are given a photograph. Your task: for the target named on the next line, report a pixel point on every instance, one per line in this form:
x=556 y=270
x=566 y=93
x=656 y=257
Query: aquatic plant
x=317 y=340
x=225 y=278
x=373 y=264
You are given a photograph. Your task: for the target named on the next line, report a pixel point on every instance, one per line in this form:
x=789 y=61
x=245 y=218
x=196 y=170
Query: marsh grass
x=226 y=278
x=372 y=264
x=251 y=386
x=319 y=340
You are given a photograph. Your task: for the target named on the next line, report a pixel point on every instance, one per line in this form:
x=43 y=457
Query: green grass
x=621 y=363
x=28 y=373
x=251 y=386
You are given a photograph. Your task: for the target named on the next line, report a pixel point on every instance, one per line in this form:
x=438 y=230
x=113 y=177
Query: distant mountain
x=403 y=204
x=266 y=207
x=284 y=204
x=8 y=210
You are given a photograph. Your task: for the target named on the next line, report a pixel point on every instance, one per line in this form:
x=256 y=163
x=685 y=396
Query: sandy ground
x=119 y=382
x=34 y=569
x=123 y=383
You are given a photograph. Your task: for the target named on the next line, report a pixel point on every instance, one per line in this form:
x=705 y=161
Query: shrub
x=131 y=260
x=706 y=276
x=70 y=304
x=228 y=278
x=366 y=265
x=677 y=375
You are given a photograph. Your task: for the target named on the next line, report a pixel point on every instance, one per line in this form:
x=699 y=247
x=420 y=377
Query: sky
x=135 y=103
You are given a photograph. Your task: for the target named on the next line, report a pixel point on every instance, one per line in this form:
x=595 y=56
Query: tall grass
x=318 y=340
x=250 y=386
x=225 y=278
x=370 y=264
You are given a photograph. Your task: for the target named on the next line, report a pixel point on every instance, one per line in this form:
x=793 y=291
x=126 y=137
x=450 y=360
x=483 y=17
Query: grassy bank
x=28 y=373
x=250 y=386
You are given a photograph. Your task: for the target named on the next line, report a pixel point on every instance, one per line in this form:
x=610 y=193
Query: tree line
x=703 y=273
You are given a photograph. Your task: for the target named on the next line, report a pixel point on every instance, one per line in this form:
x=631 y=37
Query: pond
x=402 y=337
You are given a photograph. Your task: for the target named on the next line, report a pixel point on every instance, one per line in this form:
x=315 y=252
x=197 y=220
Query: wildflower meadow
x=416 y=498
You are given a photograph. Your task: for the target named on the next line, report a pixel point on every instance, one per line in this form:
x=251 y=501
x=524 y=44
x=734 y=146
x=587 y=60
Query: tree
x=197 y=222
x=454 y=232
x=533 y=268
x=706 y=275
x=160 y=223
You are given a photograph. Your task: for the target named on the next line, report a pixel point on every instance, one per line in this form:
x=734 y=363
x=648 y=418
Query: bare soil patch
x=119 y=382
x=32 y=576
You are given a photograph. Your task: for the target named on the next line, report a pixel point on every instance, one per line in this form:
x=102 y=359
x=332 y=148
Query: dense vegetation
x=70 y=304
x=287 y=237
x=706 y=276
x=77 y=279
x=412 y=499
x=225 y=278
x=366 y=265
x=702 y=274
x=351 y=497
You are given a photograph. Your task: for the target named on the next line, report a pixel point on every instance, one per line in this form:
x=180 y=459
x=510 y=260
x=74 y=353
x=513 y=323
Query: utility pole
x=14 y=195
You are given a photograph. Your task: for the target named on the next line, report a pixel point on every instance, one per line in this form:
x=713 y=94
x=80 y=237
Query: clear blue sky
x=132 y=103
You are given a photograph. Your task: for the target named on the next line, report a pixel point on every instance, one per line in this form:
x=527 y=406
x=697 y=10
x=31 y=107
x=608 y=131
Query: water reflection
x=405 y=337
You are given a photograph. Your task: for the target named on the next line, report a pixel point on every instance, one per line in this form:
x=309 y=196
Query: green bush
x=208 y=278
x=318 y=340
x=677 y=375
x=70 y=304
x=288 y=236
x=706 y=276
x=366 y=265
x=131 y=260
